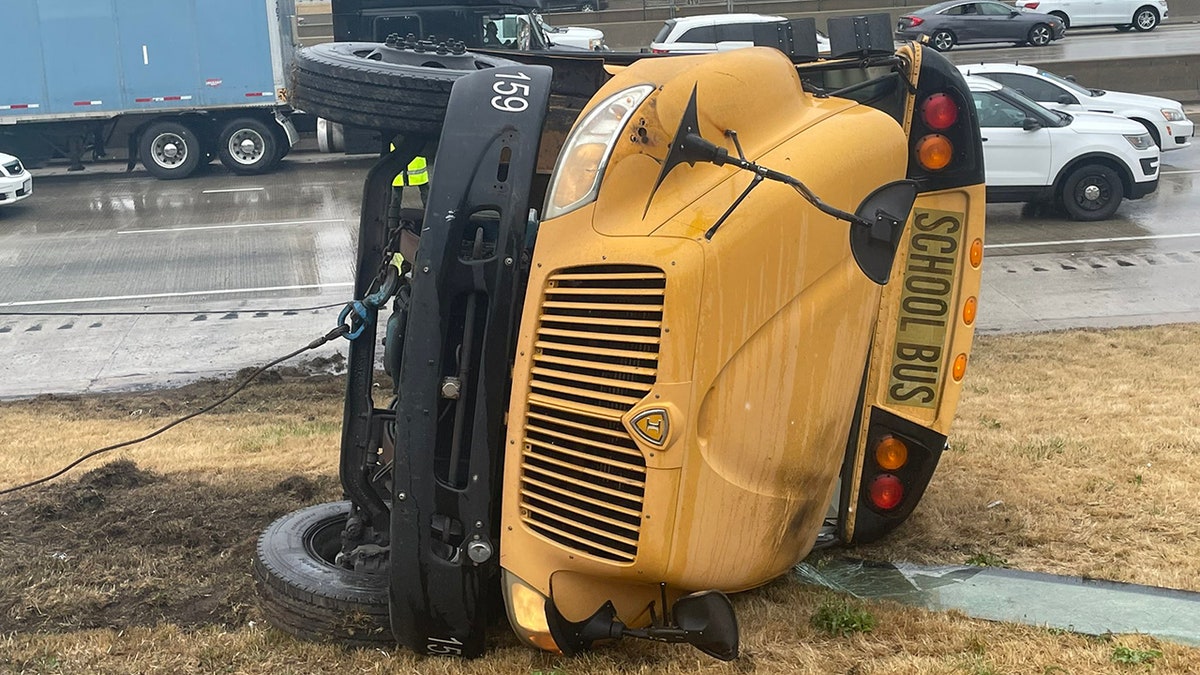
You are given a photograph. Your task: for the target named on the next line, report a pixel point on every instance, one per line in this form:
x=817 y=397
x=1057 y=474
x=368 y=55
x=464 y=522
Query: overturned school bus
x=731 y=323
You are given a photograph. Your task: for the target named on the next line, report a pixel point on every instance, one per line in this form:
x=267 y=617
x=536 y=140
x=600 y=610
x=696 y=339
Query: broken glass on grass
x=1089 y=606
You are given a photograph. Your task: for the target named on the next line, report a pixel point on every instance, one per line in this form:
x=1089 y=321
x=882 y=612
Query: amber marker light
x=886 y=492
x=934 y=152
x=976 y=252
x=969 y=310
x=891 y=453
x=960 y=367
x=939 y=112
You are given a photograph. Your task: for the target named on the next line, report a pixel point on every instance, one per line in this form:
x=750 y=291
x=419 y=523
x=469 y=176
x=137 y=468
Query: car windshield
x=1068 y=84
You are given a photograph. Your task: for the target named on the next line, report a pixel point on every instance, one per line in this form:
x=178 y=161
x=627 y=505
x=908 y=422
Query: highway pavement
x=112 y=281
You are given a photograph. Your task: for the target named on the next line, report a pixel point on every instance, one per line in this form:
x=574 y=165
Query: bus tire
x=302 y=591
x=381 y=87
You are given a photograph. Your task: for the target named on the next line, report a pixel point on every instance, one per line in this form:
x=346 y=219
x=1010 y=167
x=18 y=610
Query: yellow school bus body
x=682 y=404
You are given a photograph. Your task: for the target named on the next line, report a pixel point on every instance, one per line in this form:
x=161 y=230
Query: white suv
x=1123 y=15
x=1088 y=162
x=1162 y=117
x=15 y=182
x=715 y=33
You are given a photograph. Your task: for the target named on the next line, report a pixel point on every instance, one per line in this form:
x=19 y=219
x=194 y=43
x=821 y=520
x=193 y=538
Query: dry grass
x=1089 y=440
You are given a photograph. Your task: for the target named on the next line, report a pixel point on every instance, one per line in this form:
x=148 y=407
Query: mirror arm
x=720 y=221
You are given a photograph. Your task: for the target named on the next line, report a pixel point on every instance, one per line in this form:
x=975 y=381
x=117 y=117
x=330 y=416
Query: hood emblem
x=652 y=425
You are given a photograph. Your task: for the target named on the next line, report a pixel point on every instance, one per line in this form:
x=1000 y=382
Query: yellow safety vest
x=416 y=174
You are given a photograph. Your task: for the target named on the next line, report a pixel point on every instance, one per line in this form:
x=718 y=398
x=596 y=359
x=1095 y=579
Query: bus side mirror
x=874 y=240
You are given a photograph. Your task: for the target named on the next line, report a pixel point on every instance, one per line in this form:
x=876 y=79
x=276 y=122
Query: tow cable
x=351 y=321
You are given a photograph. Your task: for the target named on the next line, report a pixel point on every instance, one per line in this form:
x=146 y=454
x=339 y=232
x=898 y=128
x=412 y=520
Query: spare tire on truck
x=399 y=86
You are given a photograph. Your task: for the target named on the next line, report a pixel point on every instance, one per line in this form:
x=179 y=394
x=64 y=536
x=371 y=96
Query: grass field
x=1074 y=452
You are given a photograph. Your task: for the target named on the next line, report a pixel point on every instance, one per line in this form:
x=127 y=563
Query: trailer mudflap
x=453 y=385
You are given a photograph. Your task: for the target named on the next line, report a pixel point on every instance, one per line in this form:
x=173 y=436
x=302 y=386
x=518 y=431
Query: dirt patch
x=122 y=546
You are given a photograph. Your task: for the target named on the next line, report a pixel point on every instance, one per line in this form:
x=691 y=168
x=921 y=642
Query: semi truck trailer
x=173 y=84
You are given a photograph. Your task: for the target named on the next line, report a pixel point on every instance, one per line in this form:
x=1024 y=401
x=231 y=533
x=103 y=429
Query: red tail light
x=913 y=21
x=1030 y=5
x=659 y=51
x=886 y=492
x=939 y=111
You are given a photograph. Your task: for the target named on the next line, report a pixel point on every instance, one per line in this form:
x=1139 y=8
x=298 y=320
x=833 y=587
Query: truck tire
x=282 y=145
x=1092 y=192
x=248 y=146
x=170 y=149
x=305 y=594
x=384 y=87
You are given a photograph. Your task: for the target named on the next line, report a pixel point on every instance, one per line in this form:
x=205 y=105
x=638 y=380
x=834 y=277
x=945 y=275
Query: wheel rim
x=246 y=146
x=1145 y=20
x=169 y=150
x=1093 y=193
x=942 y=41
x=323 y=541
x=1041 y=36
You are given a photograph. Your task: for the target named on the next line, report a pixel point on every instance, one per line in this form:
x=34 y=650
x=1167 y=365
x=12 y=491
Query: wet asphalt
x=114 y=281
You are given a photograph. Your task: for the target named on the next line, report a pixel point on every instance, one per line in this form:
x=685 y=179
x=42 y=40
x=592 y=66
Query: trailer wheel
x=247 y=146
x=387 y=87
x=170 y=150
x=305 y=594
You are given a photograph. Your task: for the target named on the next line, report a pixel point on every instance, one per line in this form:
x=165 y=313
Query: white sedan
x=1163 y=118
x=15 y=182
x=1085 y=161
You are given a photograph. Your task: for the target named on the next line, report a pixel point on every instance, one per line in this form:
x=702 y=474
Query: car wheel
x=1065 y=19
x=1145 y=19
x=1040 y=35
x=247 y=146
x=942 y=40
x=304 y=593
x=387 y=87
x=170 y=150
x=1092 y=192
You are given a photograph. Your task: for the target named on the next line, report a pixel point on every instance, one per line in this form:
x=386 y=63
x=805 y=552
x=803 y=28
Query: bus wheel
x=305 y=593
x=388 y=87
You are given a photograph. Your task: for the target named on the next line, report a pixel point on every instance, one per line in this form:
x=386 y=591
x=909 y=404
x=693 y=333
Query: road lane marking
x=180 y=294
x=1104 y=240
x=1178 y=171
x=213 y=192
x=230 y=227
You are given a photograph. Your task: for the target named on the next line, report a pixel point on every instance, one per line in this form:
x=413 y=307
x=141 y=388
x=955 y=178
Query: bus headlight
x=527 y=612
x=585 y=155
